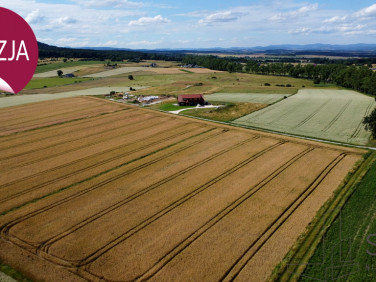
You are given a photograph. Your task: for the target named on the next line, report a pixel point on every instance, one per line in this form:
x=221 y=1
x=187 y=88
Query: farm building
x=191 y=100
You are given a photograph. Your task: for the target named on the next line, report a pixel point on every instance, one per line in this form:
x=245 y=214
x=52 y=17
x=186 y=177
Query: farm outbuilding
x=191 y=100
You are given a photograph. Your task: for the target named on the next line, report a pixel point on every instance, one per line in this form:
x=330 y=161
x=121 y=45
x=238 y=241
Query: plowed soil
x=95 y=190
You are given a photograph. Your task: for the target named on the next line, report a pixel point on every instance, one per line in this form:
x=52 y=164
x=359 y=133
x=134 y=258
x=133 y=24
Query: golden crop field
x=93 y=190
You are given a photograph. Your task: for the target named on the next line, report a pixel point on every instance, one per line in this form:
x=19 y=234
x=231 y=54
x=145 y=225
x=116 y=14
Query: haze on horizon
x=149 y=24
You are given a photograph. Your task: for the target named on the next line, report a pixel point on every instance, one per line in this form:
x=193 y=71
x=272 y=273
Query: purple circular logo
x=18 y=52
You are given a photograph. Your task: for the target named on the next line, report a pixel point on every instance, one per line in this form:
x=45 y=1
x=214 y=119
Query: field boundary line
x=41 y=185
x=280 y=133
x=219 y=216
x=302 y=251
x=242 y=261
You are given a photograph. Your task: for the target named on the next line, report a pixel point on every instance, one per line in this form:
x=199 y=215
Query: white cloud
x=336 y=19
x=367 y=12
x=65 y=21
x=302 y=30
x=295 y=13
x=221 y=17
x=143 y=43
x=111 y=3
x=34 y=17
x=148 y=21
x=109 y=43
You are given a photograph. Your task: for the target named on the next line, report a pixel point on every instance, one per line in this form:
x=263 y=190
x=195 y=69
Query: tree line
x=357 y=77
x=47 y=51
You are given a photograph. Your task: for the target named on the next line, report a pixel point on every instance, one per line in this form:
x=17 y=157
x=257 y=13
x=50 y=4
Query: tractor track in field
x=314 y=113
x=359 y=128
x=75 y=139
x=26 y=109
x=162 y=198
x=169 y=208
x=219 y=216
x=4 y=230
x=45 y=246
x=46 y=129
x=110 y=137
x=342 y=110
x=58 y=114
x=86 y=168
x=242 y=261
x=68 y=127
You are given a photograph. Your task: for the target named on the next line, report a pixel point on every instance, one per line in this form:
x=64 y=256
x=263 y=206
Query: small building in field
x=191 y=100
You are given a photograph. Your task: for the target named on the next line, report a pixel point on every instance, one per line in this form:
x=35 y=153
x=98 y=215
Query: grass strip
x=295 y=262
x=13 y=273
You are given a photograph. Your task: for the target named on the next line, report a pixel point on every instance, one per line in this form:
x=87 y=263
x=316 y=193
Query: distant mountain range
x=286 y=47
x=351 y=50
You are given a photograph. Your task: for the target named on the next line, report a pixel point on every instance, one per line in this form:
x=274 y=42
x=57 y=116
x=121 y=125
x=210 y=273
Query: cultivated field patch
x=246 y=97
x=327 y=114
x=117 y=71
x=122 y=193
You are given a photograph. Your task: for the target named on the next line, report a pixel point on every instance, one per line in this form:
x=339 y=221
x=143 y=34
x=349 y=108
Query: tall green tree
x=370 y=123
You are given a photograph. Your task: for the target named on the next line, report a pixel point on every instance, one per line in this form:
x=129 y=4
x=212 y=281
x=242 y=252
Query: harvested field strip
x=33 y=147
x=223 y=230
x=241 y=262
x=68 y=174
x=58 y=130
x=93 y=143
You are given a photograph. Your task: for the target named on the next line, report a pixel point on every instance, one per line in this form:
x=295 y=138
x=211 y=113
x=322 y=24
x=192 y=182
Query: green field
x=37 y=83
x=60 y=64
x=246 y=98
x=343 y=253
x=326 y=114
x=209 y=83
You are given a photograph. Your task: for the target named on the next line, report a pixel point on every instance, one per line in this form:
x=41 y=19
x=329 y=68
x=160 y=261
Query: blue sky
x=154 y=24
